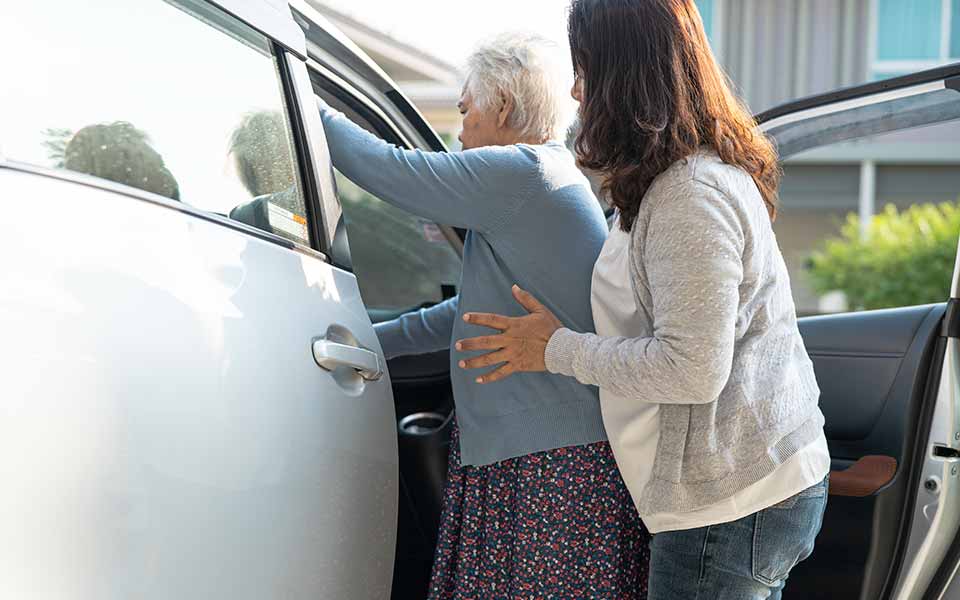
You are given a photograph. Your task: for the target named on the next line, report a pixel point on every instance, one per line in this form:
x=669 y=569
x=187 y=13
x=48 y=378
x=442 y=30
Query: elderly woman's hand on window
x=520 y=345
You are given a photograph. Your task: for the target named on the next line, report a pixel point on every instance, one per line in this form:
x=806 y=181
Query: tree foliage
x=905 y=258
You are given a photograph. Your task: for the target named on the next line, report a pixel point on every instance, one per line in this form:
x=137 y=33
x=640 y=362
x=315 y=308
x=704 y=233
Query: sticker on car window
x=290 y=223
x=431 y=232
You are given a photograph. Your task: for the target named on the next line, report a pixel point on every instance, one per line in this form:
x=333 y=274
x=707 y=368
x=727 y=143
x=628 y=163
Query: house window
x=912 y=35
x=706 y=8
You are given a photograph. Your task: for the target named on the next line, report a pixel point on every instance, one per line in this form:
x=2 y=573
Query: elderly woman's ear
x=506 y=109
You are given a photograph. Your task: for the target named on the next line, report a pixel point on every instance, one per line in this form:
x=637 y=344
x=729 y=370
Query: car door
x=888 y=378
x=402 y=263
x=194 y=402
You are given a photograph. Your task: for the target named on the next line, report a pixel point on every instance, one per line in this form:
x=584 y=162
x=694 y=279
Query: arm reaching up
x=477 y=189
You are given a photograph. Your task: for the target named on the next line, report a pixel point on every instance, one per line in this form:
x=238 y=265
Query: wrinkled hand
x=520 y=345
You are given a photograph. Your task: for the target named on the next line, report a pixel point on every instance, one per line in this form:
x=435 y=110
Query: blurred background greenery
x=902 y=257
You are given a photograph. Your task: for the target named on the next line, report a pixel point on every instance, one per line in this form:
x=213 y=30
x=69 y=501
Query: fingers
x=526 y=299
x=487 y=342
x=488 y=320
x=501 y=373
x=485 y=360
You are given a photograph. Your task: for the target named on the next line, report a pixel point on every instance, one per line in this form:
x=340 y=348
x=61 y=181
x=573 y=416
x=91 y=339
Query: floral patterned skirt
x=555 y=524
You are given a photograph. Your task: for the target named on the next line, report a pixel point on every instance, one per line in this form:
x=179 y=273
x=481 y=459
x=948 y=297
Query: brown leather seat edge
x=864 y=477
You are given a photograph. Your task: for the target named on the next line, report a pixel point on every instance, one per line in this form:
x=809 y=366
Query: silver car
x=194 y=402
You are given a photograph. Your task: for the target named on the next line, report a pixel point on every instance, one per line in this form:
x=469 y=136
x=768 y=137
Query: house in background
x=779 y=50
x=430 y=83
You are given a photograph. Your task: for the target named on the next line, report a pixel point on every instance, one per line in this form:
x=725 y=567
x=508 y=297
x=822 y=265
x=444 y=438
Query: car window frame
x=268 y=19
x=107 y=185
x=302 y=132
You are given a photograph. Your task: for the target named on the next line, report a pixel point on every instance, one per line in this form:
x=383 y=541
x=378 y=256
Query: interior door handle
x=330 y=355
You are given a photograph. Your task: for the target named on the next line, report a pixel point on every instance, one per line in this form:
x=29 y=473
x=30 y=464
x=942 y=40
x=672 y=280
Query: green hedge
x=906 y=258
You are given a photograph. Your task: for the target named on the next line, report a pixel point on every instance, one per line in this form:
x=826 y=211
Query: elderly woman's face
x=482 y=128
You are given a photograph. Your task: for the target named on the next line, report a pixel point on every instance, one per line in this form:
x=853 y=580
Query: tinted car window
x=401 y=261
x=174 y=98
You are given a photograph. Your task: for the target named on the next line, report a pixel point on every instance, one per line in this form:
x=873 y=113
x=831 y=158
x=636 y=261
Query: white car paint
x=164 y=429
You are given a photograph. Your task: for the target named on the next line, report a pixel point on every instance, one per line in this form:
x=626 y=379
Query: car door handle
x=330 y=355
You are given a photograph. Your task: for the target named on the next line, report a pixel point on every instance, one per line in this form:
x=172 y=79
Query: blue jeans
x=742 y=560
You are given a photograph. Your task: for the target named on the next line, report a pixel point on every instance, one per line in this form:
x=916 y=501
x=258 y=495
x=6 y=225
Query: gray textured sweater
x=721 y=352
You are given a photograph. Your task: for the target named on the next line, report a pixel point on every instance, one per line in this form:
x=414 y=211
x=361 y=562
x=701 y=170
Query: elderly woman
x=534 y=503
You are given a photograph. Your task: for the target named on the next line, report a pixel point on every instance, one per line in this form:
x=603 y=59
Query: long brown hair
x=653 y=94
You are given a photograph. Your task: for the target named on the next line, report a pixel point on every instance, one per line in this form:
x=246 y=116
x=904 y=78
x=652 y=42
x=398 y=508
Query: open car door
x=889 y=378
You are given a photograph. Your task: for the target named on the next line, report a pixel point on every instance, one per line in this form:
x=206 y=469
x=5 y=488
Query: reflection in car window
x=119 y=152
x=120 y=90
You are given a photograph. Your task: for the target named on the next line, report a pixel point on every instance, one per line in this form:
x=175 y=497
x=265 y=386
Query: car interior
x=878 y=373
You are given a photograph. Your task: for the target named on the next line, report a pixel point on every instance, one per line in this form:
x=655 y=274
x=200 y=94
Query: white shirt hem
x=805 y=468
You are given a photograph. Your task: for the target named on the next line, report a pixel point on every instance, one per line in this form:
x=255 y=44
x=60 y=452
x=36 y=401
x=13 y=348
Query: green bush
x=905 y=258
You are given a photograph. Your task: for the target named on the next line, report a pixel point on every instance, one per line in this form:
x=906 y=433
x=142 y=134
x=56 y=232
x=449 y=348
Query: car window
x=171 y=97
x=401 y=261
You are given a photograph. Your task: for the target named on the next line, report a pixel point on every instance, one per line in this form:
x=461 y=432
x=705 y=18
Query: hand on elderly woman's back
x=520 y=345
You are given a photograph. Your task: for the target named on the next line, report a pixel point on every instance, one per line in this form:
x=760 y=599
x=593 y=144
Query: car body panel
x=167 y=432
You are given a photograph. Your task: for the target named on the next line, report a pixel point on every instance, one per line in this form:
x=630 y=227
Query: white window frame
x=910 y=66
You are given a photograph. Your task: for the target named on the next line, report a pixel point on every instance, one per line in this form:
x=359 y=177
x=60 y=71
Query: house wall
x=779 y=50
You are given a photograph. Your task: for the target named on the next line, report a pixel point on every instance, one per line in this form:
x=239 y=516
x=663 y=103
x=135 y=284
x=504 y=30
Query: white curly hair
x=533 y=73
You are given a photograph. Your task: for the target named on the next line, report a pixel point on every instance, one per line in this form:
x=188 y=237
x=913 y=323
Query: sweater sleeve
x=692 y=254
x=420 y=332
x=476 y=189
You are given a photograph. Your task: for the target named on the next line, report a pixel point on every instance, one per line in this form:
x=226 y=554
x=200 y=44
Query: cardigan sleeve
x=691 y=251
x=419 y=332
